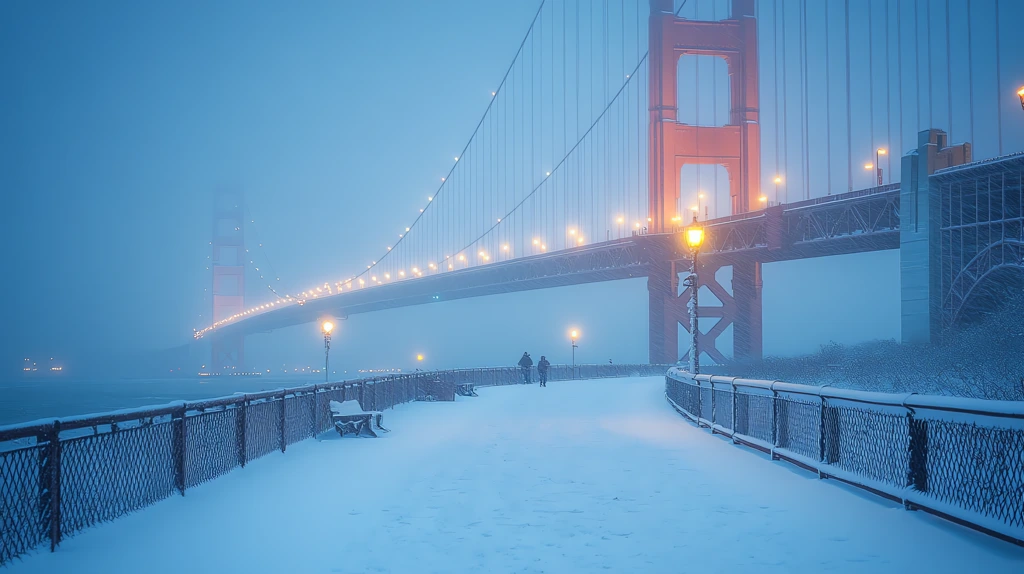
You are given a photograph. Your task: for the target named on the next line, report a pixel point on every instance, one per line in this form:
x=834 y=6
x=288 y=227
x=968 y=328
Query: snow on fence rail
x=59 y=476
x=961 y=459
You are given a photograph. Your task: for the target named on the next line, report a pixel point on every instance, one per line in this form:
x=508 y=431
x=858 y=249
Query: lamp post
x=573 y=335
x=777 y=180
x=1020 y=94
x=694 y=237
x=878 y=164
x=327 y=327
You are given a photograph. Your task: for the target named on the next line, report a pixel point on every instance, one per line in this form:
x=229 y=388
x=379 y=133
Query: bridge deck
x=580 y=476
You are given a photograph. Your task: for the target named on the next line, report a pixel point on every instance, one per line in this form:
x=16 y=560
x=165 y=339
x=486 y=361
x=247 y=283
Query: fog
x=119 y=120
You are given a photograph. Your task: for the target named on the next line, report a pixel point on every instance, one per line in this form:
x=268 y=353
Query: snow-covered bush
x=983 y=360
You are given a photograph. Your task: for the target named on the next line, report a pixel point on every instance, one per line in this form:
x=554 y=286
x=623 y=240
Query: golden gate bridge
x=771 y=123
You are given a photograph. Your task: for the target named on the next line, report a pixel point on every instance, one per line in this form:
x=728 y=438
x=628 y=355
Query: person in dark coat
x=542 y=370
x=524 y=364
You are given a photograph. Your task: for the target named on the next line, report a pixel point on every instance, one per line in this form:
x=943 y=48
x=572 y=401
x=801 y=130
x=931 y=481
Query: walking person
x=524 y=365
x=542 y=370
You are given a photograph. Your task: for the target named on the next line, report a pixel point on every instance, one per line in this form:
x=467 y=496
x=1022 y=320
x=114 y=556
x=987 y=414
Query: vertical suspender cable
x=696 y=111
x=805 y=147
x=949 y=76
x=928 y=52
x=714 y=110
x=871 y=80
x=888 y=93
x=775 y=82
x=785 y=106
x=828 y=108
x=604 y=91
x=849 y=123
x=999 y=88
x=970 y=75
x=899 y=70
x=623 y=117
x=578 y=210
x=917 y=63
x=639 y=121
x=565 y=110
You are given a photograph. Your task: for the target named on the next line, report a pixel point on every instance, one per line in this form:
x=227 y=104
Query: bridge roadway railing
x=961 y=459
x=60 y=476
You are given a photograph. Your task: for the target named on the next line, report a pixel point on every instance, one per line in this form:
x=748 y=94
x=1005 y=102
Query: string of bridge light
x=270 y=266
x=370 y=276
x=360 y=277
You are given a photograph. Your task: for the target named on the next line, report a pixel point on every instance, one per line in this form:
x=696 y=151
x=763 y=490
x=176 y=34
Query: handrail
x=959 y=458
x=60 y=478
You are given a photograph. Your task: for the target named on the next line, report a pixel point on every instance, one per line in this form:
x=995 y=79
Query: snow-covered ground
x=584 y=476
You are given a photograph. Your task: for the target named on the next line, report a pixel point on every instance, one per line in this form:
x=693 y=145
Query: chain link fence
x=961 y=459
x=58 y=477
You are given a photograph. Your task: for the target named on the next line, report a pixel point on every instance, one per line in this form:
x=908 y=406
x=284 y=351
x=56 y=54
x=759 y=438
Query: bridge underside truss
x=738 y=307
x=866 y=220
x=981 y=237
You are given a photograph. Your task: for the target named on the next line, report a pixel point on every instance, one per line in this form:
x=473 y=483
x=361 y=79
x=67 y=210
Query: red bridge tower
x=735 y=146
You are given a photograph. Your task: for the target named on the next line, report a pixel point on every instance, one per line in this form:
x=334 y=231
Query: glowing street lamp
x=327 y=327
x=573 y=335
x=777 y=180
x=1020 y=94
x=879 y=152
x=694 y=237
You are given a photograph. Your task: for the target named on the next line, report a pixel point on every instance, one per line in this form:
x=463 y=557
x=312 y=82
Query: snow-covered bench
x=349 y=417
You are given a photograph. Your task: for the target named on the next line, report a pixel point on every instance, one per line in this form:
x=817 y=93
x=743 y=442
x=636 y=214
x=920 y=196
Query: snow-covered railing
x=961 y=459
x=59 y=476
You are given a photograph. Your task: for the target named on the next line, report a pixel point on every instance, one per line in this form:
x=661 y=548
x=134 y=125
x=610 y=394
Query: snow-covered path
x=585 y=476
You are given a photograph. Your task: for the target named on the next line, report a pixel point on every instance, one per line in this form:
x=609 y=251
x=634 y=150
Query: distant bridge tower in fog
x=228 y=267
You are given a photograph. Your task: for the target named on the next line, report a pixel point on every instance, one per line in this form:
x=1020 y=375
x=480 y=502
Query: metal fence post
x=821 y=432
x=775 y=421
x=832 y=433
x=178 y=447
x=315 y=415
x=242 y=407
x=49 y=485
x=918 y=471
x=712 y=406
x=284 y=441
x=732 y=384
x=700 y=402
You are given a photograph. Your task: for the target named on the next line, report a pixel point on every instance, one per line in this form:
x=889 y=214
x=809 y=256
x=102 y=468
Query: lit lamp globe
x=694 y=235
x=327 y=327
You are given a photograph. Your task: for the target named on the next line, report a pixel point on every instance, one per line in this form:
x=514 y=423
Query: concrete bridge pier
x=920 y=242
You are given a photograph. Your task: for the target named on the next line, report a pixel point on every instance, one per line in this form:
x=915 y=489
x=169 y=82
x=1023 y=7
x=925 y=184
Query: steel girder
x=981 y=214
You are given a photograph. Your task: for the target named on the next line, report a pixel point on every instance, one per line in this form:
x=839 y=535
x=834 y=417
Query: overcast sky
x=119 y=119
